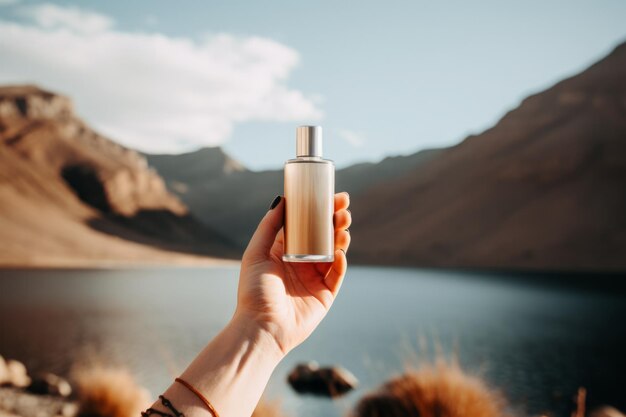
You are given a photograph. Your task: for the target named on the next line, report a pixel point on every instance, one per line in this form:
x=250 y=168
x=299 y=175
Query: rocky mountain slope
x=232 y=199
x=68 y=194
x=182 y=171
x=545 y=188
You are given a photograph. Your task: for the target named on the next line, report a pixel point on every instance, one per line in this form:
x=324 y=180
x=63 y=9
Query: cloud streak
x=353 y=138
x=51 y=16
x=148 y=90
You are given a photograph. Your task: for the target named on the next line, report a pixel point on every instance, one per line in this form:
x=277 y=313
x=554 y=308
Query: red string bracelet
x=199 y=395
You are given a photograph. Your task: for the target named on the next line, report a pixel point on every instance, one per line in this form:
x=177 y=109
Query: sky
x=382 y=78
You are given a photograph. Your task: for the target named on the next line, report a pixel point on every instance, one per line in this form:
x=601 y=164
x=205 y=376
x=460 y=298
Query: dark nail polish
x=275 y=202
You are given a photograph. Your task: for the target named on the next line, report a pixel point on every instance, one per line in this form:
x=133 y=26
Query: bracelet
x=199 y=395
x=167 y=403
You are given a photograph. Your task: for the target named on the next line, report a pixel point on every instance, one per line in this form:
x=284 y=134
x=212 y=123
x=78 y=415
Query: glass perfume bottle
x=310 y=201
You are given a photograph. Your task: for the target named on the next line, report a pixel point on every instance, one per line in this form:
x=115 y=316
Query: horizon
x=161 y=79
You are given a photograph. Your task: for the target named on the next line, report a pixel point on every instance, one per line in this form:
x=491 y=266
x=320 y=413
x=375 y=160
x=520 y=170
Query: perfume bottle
x=310 y=201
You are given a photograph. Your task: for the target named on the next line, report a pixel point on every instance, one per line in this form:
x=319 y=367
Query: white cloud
x=353 y=138
x=151 y=91
x=51 y=16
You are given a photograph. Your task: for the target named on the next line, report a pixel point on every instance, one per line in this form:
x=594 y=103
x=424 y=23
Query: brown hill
x=545 y=188
x=68 y=194
x=231 y=199
x=194 y=168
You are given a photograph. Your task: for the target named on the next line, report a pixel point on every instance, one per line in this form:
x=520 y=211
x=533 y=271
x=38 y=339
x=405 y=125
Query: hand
x=288 y=300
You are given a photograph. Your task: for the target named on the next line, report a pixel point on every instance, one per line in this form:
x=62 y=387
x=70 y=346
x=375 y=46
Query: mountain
x=194 y=168
x=545 y=188
x=69 y=195
x=231 y=199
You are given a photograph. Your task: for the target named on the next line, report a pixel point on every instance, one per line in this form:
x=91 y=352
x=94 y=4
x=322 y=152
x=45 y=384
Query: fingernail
x=275 y=202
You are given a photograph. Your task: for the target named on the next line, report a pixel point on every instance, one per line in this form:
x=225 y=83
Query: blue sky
x=382 y=78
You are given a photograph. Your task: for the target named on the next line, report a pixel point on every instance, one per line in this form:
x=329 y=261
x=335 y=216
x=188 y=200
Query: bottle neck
x=310 y=159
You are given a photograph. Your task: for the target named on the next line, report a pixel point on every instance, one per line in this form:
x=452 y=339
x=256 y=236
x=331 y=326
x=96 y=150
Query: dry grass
x=113 y=392
x=580 y=400
x=109 y=392
x=438 y=390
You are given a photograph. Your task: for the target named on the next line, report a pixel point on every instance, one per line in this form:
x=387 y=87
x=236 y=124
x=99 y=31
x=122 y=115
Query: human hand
x=288 y=300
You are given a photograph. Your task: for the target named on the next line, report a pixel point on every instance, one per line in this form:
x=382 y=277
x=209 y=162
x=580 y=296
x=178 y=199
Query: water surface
x=536 y=343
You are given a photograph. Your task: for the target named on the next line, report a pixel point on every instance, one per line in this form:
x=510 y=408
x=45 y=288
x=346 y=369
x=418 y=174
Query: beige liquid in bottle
x=309 y=201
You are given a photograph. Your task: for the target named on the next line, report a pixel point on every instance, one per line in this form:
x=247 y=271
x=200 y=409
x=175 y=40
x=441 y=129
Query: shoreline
x=588 y=281
x=87 y=264
x=188 y=259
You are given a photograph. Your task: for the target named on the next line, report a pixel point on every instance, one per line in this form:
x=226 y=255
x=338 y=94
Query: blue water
x=535 y=343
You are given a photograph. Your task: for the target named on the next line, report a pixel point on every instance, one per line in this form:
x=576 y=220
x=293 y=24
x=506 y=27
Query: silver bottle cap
x=309 y=141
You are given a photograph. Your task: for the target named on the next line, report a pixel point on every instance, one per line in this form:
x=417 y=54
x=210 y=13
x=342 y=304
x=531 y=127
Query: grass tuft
x=435 y=390
x=109 y=392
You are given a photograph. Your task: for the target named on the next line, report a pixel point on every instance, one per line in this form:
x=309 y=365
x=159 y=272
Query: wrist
x=248 y=329
x=233 y=369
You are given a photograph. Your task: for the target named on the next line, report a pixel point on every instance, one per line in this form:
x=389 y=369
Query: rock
x=4 y=372
x=16 y=374
x=34 y=103
x=50 y=384
x=606 y=411
x=16 y=402
x=330 y=382
x=59 y=165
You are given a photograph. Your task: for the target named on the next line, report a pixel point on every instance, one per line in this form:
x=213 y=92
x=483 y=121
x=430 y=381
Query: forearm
x=231 y=372
x=288 y=300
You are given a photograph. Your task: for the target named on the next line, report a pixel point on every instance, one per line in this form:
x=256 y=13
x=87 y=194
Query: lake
x=535 y=342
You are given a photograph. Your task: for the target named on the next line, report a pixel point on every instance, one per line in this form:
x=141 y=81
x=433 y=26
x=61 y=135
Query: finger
x=280 y=237
x=342 y=240
x=342 y=201
x=342 y=219
x=265 y=234
x=337 y=272
x=277 y=247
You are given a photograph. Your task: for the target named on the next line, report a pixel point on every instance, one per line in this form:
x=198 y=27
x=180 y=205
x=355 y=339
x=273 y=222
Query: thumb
x=265 y=234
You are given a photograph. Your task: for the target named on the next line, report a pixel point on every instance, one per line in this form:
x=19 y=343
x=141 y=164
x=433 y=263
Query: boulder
x=4 y=372
x=16 y=402
x=50 y=384
x=309 y=378
x=15 y=374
